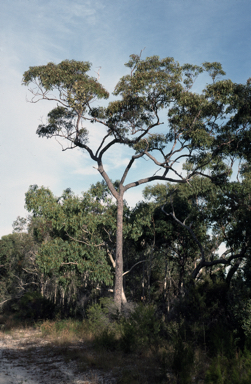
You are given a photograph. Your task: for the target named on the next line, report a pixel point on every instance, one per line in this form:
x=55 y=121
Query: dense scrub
x=209 y=344
x=186 y=313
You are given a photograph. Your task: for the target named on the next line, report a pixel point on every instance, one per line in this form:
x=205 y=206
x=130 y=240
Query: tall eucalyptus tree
x=200 y=128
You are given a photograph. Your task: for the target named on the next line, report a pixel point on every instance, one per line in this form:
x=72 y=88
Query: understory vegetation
x=174 y=326
x=138 y=346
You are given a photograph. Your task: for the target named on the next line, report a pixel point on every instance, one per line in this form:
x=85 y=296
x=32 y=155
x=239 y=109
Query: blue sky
x=104 y=32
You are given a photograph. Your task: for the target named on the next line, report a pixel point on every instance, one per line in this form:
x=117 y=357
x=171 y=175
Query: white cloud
x=35 y=32
x=86 y=171
x=134 y=195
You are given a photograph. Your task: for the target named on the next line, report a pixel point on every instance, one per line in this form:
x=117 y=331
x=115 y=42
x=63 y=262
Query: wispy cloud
x=34 y=32
x=90 y=170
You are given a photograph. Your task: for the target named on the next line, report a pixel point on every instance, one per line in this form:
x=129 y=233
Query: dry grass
x=66 y=333
x=73 y=341
x=126 y=368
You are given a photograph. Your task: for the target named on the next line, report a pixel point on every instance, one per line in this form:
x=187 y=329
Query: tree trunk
x=55 y=293
x=42 y=285
x=143 y=284
x=119 y=254
x=149 y=272
x=123 y=296
x=165 y=283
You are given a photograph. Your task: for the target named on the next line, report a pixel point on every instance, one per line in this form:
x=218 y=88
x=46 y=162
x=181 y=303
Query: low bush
x=103 y=316
x=32 y=305
x=107 y=340
x=223 y=370
x=182 y=361
x=141 y=329
x=138 y=329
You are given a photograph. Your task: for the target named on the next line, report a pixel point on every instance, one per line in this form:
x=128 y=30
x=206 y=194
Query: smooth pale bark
x=119 y=254
x=55 y=293
x=42 y=285
x=123 y=297
x=143 y=283
x=149 y=272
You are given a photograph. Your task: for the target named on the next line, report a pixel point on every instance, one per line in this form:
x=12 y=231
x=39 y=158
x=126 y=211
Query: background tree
x=178 y=252
x=71 y=252
x=202 y=217
x=18 y=271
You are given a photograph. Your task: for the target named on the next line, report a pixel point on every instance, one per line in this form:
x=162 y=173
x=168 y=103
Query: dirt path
x=25 y=357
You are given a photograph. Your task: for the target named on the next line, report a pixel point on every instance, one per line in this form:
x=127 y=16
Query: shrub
x=141 y=329
x=230 y=371
x=182 y=361
x=103 y=322
x=107 y=340
x=102 y=316
x=33 y=306
x=221 y=341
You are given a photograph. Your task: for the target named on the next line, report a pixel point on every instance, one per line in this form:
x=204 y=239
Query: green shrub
x=102 y=316
x=106 y=340
x=141 y=329
x=230 y=371
x=182 y=361
x=33 y=306
x=221 y=341
x=216 y=373
x=103 y=322
x=246 y=320
x=128 y=340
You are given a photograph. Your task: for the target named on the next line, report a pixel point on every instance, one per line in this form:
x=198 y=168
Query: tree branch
x=142 y=261
x=129 y=166
x=152 y=178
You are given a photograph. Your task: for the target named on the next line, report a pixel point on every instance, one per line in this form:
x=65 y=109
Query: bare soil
x=26 y=357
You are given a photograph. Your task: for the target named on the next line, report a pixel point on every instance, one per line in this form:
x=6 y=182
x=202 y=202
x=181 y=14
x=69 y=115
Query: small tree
x=202 y=216
x=195 y=130
x=18 y=270
x=67 y=230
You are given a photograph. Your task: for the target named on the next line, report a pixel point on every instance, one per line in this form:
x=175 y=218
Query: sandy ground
x=27 y=358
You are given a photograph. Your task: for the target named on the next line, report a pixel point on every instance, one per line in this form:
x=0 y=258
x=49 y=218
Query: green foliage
x=141 y=329
x=221 y=340
x=103 y=323
x=152 y=85
x=230 y=371
x=70 y=79
x=246 y=319
x=102 y=316
x=69 y=244
x=34 y=307
x=18 y=271
x=107 y=340
x=182 y=361
x=214 y=69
